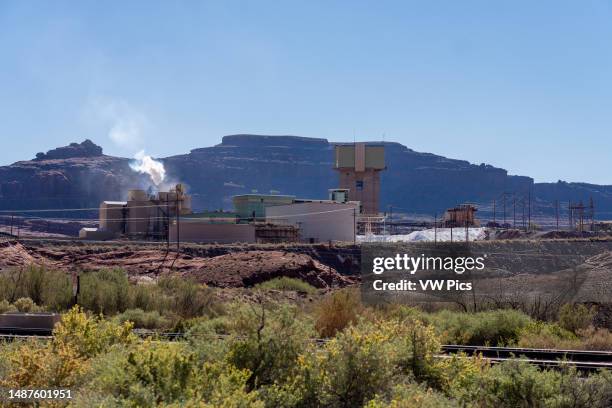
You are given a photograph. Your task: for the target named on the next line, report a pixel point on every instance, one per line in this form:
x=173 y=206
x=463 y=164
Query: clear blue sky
x=523 y=85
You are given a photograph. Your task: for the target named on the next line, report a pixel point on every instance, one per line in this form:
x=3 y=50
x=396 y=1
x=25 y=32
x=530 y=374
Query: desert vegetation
x=264 y=352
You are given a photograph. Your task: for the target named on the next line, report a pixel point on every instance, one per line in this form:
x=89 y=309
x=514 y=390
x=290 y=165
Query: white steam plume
x=147 y=165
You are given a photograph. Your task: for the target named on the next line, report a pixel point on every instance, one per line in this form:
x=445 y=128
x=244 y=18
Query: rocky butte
x=80 y=175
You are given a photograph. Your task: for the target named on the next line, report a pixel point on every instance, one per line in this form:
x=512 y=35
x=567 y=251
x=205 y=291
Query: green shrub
x=358 y=364
x=63 y=361
x=495 y=328
x=287 y=284
x=547 y=335
x=166 y=374
x=25 y=304
x=336 y=311
x=574 y=317
x=516 y=383
x=144 y=320
x=267 y=343
x=105 y=291
x=90 y=336
x=6 y=307
x=189 y=299
x=412 y=395
x=50 y=288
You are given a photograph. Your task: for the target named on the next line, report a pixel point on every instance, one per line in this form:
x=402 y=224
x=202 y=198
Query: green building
x=249 y=206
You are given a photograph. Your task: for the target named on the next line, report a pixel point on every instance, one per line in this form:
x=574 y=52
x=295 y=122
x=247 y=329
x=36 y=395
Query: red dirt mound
x=231 y=270
x=252 y=267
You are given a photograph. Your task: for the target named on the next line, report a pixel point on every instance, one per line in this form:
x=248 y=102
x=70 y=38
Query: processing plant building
x=359 y=166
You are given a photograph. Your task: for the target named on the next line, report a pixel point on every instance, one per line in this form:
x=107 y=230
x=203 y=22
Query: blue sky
x=523 y=85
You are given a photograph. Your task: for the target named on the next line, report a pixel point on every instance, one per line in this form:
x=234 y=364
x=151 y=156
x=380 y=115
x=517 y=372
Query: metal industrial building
x=142 y=216
x=318 y=220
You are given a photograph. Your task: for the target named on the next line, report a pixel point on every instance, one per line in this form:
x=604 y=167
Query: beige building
x=318 y=220
x=461 y=216
x=96 y=234
x=359 y=166
x=143 y=215
x=112 y=216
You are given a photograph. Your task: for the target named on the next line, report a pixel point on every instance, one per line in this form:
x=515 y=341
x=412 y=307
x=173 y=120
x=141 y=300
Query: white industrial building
x=318 y=220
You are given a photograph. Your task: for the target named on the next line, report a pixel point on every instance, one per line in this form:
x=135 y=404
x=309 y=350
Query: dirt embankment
x=232 y=269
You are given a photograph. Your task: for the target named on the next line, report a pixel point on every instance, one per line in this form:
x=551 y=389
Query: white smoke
x=126 y=126
x=145 y=164
x=125 y=123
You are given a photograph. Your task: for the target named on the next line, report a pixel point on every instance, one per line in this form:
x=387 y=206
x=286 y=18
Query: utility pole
x=167 y=224
x=354 y=226
x=557 y=213
x=592 y=212
x=504 y=195
x=569 y=215
x=514 y=211
x=391 y=219
x=467 y=232
x=529 y=209
x=524 y=227
x=12 y=218
x=76 y=288
x=493 y=213
x=178 y=220
x=436 y=229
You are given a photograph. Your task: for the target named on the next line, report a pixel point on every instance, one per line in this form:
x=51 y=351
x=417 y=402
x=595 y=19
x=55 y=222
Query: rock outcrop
x=80 y=175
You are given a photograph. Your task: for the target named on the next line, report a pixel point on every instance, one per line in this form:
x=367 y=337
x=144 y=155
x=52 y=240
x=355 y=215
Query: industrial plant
x=261 y=218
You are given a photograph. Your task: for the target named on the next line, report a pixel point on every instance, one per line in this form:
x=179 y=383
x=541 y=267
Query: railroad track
x=581 y=359
x=545 y=358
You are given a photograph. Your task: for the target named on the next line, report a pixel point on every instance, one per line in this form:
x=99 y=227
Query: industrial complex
x=262 y=218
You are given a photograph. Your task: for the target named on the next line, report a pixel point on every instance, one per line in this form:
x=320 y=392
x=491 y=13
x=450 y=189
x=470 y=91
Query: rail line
x=582 y=360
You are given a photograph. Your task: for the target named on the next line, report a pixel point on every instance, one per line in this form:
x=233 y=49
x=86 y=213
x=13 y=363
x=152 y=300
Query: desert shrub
x=89 y=336
x=105 y=291
x=358 y=365
x=189 y=299
x=25 y=304
x=267 y=343
x=144 y=320
x=5 y=307
x=162 y=373
x=63 y=361
x=207 y=337
x=45 y=287
x=516 y=383
x=595 y=339
x=336 y=311
x=416 y=345
x=361 y=363
x=578 y=391
x=149 y=297
x=288 y=284
x=547 y=335
x=574 y=317
x=412 y=395
x=36 y=364
x=496 y=328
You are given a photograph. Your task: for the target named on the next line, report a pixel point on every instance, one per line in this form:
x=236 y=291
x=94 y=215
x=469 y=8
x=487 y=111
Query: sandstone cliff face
x=75 y=176
x=80 y=175
x=416 y=182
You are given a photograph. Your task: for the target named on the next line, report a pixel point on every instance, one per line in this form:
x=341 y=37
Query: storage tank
x=137 y=195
